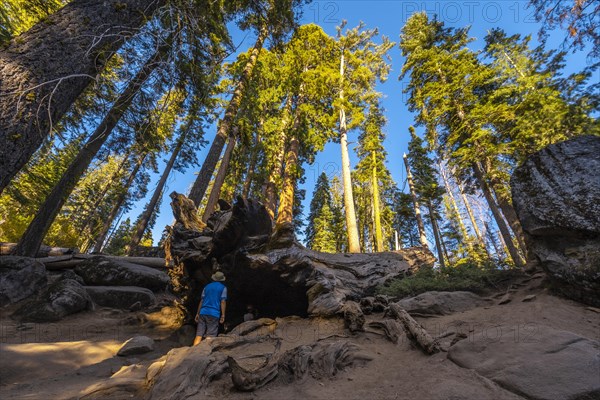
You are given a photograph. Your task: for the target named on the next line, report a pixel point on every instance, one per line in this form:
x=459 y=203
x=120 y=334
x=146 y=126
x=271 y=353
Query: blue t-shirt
x=212 y=295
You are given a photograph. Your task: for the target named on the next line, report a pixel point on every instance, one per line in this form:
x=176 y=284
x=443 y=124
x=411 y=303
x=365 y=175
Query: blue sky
x=388 y=16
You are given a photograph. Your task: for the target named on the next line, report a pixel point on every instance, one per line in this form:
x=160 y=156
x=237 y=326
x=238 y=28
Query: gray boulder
x=441 y=303
x=20 y=277
x=539 y=362
x=104 y=271
x=61 y=299
x=136 y=345
x=556 y=194
x=123 y=297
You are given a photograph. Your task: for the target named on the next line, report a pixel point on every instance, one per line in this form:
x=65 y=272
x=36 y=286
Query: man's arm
x=223 y=307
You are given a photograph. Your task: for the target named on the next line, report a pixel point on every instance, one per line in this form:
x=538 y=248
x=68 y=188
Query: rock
x=507 y=298
x=136 y=345
x=103 y=271
x=61 y=299
x=55 y=276
x=354 y=319
x=556 y=194
x=530 y=297
x=441 y=303
x=20 y=277
x=123 y=297
x=544 y=364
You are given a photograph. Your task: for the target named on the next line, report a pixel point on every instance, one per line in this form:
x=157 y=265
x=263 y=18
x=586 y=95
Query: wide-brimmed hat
x=218 y=276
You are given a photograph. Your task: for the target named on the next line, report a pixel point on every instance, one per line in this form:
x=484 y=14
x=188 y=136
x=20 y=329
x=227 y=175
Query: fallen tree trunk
x=271 y=270
x=44 y=251
x=414 y=330
x=70 y=261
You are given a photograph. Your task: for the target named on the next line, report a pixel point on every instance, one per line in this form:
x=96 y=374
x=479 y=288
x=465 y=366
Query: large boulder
x=441 y=303
x=20 y=277
x=556 y=194
x=123 y=297
x=103 y=271
x=539 y=362
x=61 y=299
x=136 y=345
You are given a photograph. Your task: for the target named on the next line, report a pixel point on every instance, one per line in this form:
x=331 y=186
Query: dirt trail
x=60 y=360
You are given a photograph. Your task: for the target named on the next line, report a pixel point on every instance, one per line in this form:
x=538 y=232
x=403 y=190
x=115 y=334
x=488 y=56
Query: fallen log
x=271 y=270
x=414 y=330
x=44 y=251
x=70 y=261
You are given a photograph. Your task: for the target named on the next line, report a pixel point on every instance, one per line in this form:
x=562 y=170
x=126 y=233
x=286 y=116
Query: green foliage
x=319 y=233
x=17 y=16
x=465 y=276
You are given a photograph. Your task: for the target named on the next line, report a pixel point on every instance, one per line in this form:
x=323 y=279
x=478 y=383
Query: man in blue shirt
x=211 y=310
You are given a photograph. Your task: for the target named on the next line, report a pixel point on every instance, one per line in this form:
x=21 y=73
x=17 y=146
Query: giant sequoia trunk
x=214 y=153
x=45 y=69
x=37 y=229
x=273 y=272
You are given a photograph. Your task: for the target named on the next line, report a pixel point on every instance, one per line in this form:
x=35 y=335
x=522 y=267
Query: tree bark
x=420 y=225
x=219 y=179
x=286 y=200
x=377 y=212
x=142 y=223
x=271 y=186
x=436 y=234
x=44 y=70
x=99 y=244
x=223 y=131
x=251 y=168
x=351 y=226
x=504 y=231
x=37 y=229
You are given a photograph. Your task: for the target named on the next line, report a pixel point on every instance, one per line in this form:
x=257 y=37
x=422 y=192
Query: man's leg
x=200 y=330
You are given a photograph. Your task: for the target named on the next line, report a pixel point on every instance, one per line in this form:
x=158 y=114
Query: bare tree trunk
x=271 y=185
x=251 y=168
x=461 y=225
x=504 y=231
x=286 y=200
x=37 y=229
x=353 y=241
x=511 y=216
x=436 y=235
x=213 y=198
x=223 y=131
x=144 y=219
x=377 y=212
x=114 y=211
x=471 y=215
x=44 y=70
x=418 y=217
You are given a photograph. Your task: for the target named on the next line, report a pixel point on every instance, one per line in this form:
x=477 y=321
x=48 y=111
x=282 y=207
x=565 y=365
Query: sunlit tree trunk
x=44 y=70
x=351 y=227
x=376 y=210
x=418 y=217
x=277 y=160
x=251 y=167
x=36 y=231
x=504 y=231
x=286 y=200
x=213 y=198
x=436 y=235
x=114 y=211
x=225 y=125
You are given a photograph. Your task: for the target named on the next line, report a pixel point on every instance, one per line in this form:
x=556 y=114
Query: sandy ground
x=61 y=360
